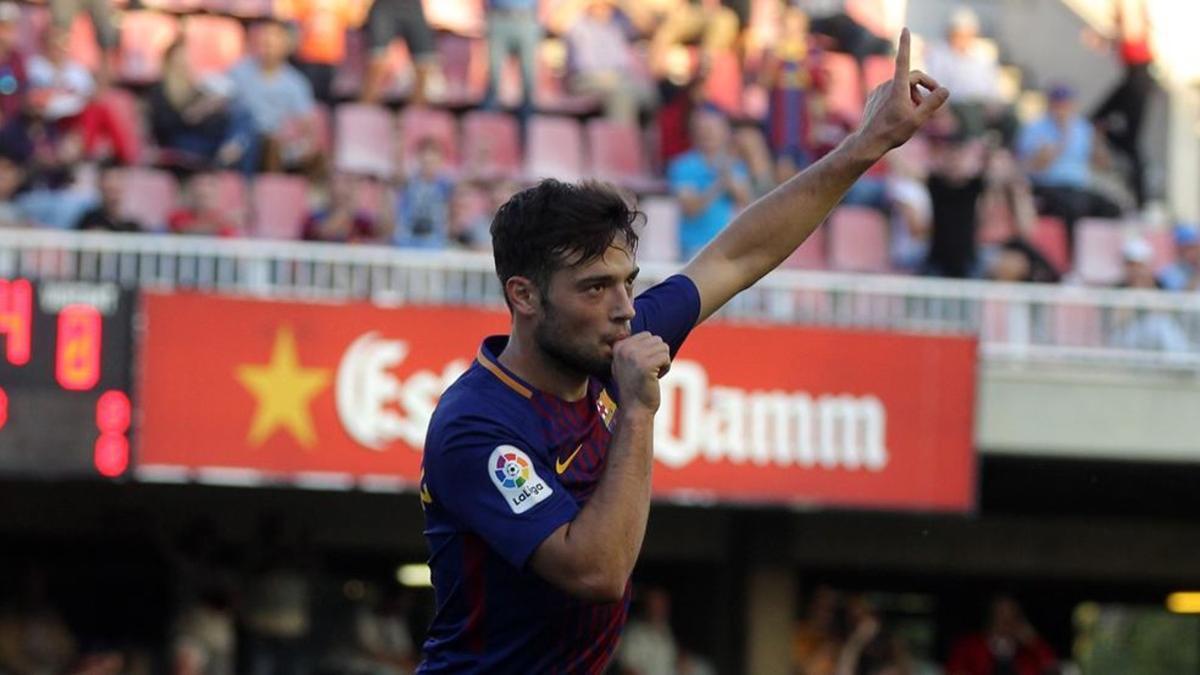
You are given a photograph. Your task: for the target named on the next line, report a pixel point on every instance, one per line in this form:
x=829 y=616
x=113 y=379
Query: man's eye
x=595 y=289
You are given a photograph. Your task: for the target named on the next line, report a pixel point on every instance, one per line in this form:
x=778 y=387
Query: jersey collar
x=489 y=358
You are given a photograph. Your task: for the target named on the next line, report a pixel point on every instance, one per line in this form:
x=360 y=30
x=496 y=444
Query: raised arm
x=766 y=233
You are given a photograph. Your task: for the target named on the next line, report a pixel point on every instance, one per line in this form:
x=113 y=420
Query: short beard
x=551 y=342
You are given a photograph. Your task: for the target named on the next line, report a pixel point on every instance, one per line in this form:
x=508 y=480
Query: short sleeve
x=1028 y=141
x=495 y=486
x=680 y=175
x=669 y=310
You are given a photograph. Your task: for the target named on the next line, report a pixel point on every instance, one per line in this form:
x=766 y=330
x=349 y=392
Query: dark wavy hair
x=555 y=225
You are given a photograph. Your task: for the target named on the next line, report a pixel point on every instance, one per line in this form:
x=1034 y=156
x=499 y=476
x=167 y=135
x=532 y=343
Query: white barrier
x=1022 y=323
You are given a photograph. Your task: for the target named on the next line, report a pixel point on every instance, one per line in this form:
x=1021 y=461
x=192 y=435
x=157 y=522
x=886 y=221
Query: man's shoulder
x=477 y=401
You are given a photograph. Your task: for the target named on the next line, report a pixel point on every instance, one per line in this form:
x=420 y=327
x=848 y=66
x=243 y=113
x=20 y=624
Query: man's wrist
x=862 y=150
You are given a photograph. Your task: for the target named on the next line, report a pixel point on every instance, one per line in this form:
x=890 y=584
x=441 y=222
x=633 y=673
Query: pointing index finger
x=902 y=60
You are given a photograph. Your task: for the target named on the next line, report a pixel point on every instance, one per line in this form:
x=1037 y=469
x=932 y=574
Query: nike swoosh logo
x=561 y=466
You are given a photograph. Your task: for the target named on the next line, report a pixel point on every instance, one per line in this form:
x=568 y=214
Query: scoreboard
x=65 y=355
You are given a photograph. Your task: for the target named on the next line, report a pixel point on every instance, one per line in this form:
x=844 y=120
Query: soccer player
x=536 y=483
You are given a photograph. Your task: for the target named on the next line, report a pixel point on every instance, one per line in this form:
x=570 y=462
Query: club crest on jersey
x=607 y=408
x=516 y=478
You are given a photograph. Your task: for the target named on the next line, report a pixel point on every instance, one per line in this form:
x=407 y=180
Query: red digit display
x=111 y=455
x=77 y=366
x=16 y=316
x=112 y=413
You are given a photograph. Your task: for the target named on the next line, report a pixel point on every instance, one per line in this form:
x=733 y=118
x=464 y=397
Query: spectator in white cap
x=1184 y=273
x=1138 y=257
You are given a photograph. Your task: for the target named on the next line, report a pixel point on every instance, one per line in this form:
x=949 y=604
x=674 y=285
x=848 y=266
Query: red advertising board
x=751 y=413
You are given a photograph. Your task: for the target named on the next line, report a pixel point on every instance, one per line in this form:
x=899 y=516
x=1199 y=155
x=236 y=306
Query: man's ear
x=523 y=295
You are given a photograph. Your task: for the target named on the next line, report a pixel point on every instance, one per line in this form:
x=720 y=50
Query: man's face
x=711 y=132
x=272 y=44
x=587 y=309
x=1062 y=110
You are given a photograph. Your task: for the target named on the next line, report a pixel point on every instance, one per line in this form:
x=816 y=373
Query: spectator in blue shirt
x=1184 y=273
x=1059 y=151
x=425 y=200
x=709 y=182
x=278 y=99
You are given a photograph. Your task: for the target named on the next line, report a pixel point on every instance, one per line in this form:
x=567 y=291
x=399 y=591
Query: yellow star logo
x=284 y=390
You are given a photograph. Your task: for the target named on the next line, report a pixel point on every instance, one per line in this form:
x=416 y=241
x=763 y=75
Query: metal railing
x=1018 y=323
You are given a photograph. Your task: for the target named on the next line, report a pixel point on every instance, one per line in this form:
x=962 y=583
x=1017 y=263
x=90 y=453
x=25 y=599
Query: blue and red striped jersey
x=505 y=466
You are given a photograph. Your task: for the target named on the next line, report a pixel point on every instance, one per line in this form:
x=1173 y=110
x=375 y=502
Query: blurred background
x=244 y=246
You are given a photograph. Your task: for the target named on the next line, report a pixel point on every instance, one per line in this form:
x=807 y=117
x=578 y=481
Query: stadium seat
x=279 y=205
x=145 y=36
x=462 y=17
x=1049 y=237
x=659 y=238
x=418 y=122
x=1098 y=245
x=812 y=253
x=551 y=93
x=491 y=144
x=214 y=43
x=555 y=148
x=230 y=188
x=858 y=240
x=148 y=196
x=372 y=196
x=464 y=67
x=616 y=154
x=844 y=91
x=365 y=140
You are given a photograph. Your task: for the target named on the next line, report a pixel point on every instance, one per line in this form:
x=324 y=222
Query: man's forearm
x=766 y=233
x=614 y=518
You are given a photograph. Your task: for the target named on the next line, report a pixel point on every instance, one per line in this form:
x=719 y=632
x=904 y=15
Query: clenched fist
x=638 y=361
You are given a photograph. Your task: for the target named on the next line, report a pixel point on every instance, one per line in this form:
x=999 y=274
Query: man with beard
x=536 y=486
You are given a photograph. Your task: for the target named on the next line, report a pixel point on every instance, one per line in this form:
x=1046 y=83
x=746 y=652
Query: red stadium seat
x=464 y=67
x=145 y=36
x=418 y=122
x=1049 y=237
x=148 y=196
x=616 y=154
x=1098 y=245
x=230 y=188
x=279 y=205
x=812 y=253
x=659 y=239
x=214 y=43
x=555 y=148
x=844 y=90
x=373 y=196
x=491 y=144
x=858 y=240
x=365 y=139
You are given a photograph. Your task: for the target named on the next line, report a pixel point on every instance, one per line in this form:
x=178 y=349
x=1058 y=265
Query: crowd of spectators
x=726 y=100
